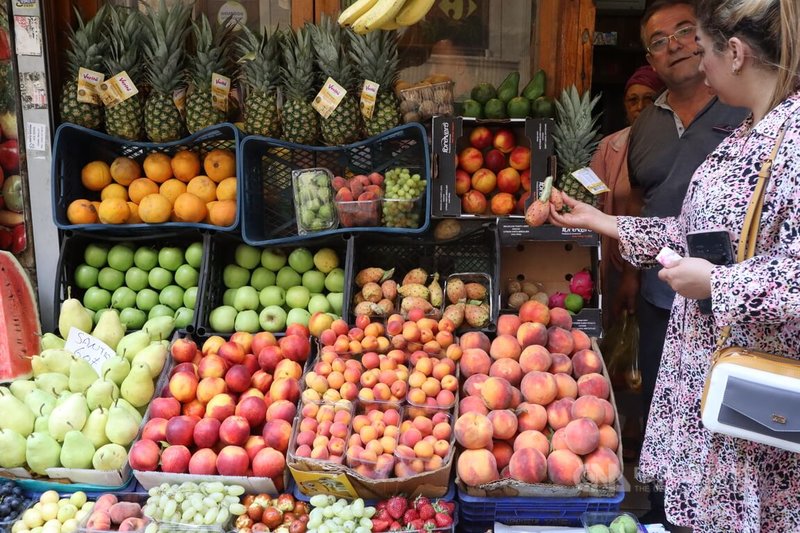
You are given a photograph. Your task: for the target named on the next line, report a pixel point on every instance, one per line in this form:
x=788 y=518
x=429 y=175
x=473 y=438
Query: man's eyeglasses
x=682 y=35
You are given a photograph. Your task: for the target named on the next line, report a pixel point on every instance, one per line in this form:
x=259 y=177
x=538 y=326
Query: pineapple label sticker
x=179 y=99
x=88 y=82
x=90 y=349
x=328 y=98
x=220 y=89
x=117 y=89
x=369 y=94
x=590 y=180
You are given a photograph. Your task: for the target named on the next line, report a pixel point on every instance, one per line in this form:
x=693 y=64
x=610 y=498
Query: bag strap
x=752 y=221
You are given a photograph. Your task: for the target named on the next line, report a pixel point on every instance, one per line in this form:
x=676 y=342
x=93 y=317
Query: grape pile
x=207 y=504
x=331 y=515
x=12 y=501
x=401 y=204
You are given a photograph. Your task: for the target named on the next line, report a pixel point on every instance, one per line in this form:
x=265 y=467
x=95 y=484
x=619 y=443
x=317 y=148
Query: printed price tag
x=88 y=348
x=117 y=89
x=590 y=180
x=179 y=99
x=328 y=98
x=220 y=89
x=88 y=81
x=369 y=94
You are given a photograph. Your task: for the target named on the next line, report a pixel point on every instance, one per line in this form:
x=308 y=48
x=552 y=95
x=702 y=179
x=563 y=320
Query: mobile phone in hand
x=715 y=247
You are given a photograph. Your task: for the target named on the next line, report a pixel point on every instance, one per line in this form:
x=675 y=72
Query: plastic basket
x=75 y=146
x=267 y=165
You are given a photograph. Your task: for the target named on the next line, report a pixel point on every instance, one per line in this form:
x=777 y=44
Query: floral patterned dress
x=715 y=483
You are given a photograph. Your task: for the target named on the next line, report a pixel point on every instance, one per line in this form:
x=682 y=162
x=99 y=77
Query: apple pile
x=274 y=513
x=228 y=408
x=536 y=404
x=493 y=173
x=379 y=293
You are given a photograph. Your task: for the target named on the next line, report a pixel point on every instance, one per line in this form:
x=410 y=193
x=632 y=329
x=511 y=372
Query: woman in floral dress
x=715 y=483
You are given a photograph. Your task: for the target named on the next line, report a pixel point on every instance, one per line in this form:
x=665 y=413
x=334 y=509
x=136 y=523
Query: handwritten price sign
x=88 y=348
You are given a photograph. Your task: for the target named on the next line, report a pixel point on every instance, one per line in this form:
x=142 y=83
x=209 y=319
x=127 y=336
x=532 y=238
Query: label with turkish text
x=88 y=80
x=328 y=98
x=369 y=95
x=117 y=89
x=179 y=99
x=590 y=180
x=220 y=89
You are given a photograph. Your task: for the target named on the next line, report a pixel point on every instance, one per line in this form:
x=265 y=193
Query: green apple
x=146 y=299
x=301 y=260
x=246 y=299
x=314 y=281
x=336 y=300
x=160 y=310
x=273 y=258
x=247 y=320
x=110 y=279
x=86 y=276
x=170 y=258
x=123 y=298
x=234 y=276
x=145 y=258
x=222 y=319
x=272 y=295
x=326 y=260
x=287 y=278
x=190 y=297
x=159 y=277
x=120 y=257
x=334 y=281
x=297 y=297
x=272 y=318
x=261 y=278
x=228 y=296
x=298 y=316
x=95 y=255
x=183 y=317
x=186 y=276
x=319 y=303
x=172 y=296
x=96 y=298
x=247 y=257
x=194 y=254
x=132 y=318
x=136 y=278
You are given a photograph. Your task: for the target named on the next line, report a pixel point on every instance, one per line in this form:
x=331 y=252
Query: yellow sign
x=311 y=483
x=328 y=98
x=369 y=94
x=88 y=80
x=117 y=89
x=220 y=89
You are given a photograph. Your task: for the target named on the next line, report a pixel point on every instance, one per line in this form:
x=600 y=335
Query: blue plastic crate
x=479 y=514
x=75 y=146
x=266 y=167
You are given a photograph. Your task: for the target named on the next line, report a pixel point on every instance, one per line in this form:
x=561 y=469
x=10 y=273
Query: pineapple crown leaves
x=212 y=51
x=575 y=131
x=375 y=56
x=260 y=63
x=331 y=52
x=124 y=42
x=166 y=32
x=297 y=74
x=87 y=47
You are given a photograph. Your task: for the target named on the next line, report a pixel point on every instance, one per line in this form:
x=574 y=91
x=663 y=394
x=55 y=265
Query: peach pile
x=425 y=443
x=323 y=430
x=371 y=448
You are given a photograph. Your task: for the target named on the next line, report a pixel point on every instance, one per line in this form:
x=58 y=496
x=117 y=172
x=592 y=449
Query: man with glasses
x=670 y=139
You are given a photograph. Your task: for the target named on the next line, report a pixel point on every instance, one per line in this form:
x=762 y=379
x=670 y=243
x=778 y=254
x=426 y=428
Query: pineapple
x=343 y=126
x=87 y=48
x=211 y=56
x=375 y=55
x=575 y=137
x=260 y=74
x=124 y=45
x=300 y=121
x=166 y=33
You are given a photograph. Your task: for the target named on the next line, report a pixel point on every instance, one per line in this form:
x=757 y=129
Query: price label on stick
x=88 y=348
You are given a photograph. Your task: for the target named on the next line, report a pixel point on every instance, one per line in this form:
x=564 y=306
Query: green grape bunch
x=208 y=505
x=404 y=194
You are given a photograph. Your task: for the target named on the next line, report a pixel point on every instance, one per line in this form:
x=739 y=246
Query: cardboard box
x=513 y=231
x=451 y=135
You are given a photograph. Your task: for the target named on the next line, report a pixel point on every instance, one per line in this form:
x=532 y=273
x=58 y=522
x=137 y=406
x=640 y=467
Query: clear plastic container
x=591 y=519
x=409 y=462
x=359 y=213
x=399 y=213
x=6 y=525
x=324 y=415
x=313 y=200
x=364 y=457
x=140 y=499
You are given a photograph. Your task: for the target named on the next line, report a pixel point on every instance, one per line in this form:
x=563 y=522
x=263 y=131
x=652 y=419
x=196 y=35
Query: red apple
x=295 y=347
x=206 y=432
x=508 y=180
x=269 y=462
x=231 y=352
x=144 y=455
x=155 y=429
x=234 y=430
x=262 y=339
x=175 y=459
x=253 y=409
x=495 y=160
x=470 y=159
x=463 y=183
x=165 y=408
x=520 y=158
x=183 y=350
x=238 y=378
x=481 y=137
x=484 y=180
x=473 y=202
x=180 y=430
x=203 y=462
x=232 y=461
x=504 y=140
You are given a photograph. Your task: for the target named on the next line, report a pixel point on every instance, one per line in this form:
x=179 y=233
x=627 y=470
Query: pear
x=15 y=415
x=77 y=450
x=73 y=315
x=101 y=393
x=155 y=356
x=121 y=427
x=52 y=382
x=13 y=446
x=41 y=424
x=57 y=360
x=110 y=457
x=41 y=402
x=69 y=415
x=132 y=343
x=159 y=328
x=42 y=452
x=21 y=388
x=109 y=329
x=81 y=375
x=115 y=369
x=138 y=387
x=38 y=367
x=135 y=413
x=95 y=427
x=52 y=341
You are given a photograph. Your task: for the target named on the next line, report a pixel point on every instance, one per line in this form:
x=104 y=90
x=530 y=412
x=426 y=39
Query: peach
x=484 y=180
x=564 y=468
x=580 y=340
x=516 y=397
x=495 y=160
x=253 y=445
x=508 y=369
x=144 y=455
x=504 y=423
x=525 y=179
x=472 y=404
x=481 y=137
x=559 y=340
x=508 y=324
x=203 y=462
x=284 y=389
x=528 y=465
x=475 y=361
x=262 y=339
x=268 y=463
x=470 y=159
x=233 y=461
x=473 y=431
x=175 y=459
x=561 y=363
x=539 y=387
x=586 y=362
x=593 y=385
x=155 y=429
x=609 y=410
x=277 y=433
x=210 y=387
x=475 y=339
x=558 y=441
x=283 y=409
x=502 y=203
x=608 y=437
x=504 y=140
x=180 y=430
x=602 y=467
x=533 y=311
x=535 y=358
x=496 y=393
x=567 y=388
x=463 y=181
x=477 y=467
x=473 y=202
x=505 y=347
x=530 y=333
x=183 y=386
x=582 y=436
x=253 y=409
x=284 y=369
x=532 y=439
x=560 y=317
x=234 y=430
x=206 y=432
x=559 y=413
x=502 y=452
x=165 y=408
x=508 y=182
x=531 y=416
x=520 y=158
x=473 y=384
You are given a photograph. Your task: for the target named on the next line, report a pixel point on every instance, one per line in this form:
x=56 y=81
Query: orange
x=114 y=190
x=114 y=211
x=172 y=189
x=140 y=188
x=157 y=167
x=81 y=212
x=189 y=208
x=226 y=190
x=203 y=188
x=134 y=217
x=185 y=165
x=96 y=175
x=222 y=213
x=209 y=206
x=96 y=205
x=155 y=208
x=220 y=164
x=124 y=170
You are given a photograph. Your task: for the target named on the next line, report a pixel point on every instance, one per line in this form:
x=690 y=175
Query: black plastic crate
x=221 y=253
x=266 y=167
x=75 y=146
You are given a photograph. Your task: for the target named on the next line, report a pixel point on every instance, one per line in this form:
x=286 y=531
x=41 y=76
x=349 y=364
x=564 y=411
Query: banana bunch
x=369 y=15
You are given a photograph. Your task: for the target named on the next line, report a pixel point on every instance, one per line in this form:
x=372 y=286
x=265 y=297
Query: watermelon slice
x=20 y=331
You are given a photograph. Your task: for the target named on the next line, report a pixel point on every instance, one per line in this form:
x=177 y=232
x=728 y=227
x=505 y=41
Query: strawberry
x=383 y=514
x=396 y=505
x=416 y=524
x=395 y=526
x=419 y=501
x=429 y=525
x=410 y=515
x=380 y=525
x=443 y=520
x=426 y=511
x=449 y=507
x=380 y=505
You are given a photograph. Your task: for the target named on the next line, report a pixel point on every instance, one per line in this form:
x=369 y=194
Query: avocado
x=543 y=107
x=472 y=108
x=483 y=92
x=536 y=86
x=509 y=88
x=495 y=108
x=518 y=107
